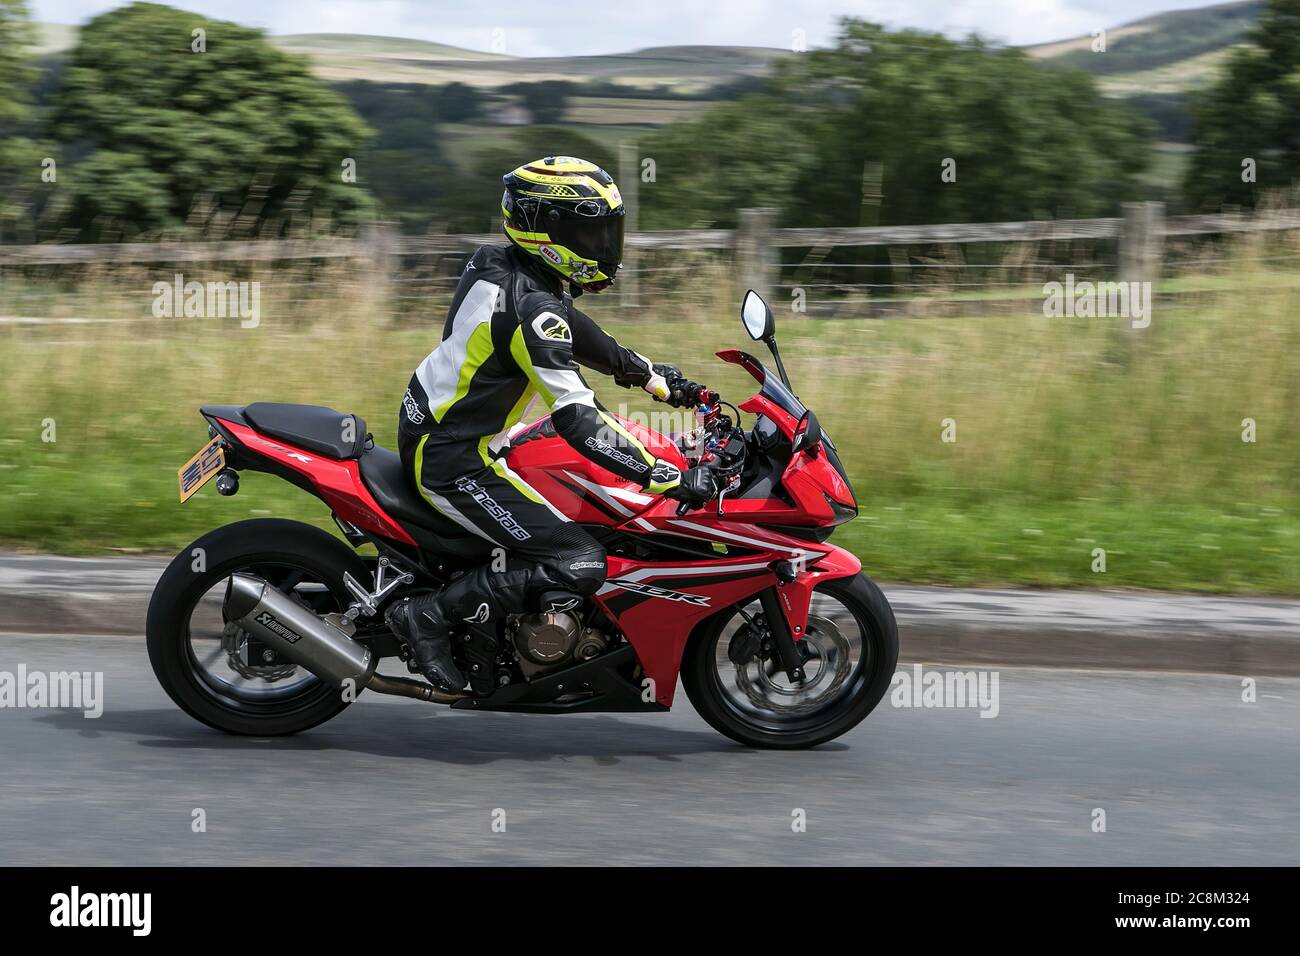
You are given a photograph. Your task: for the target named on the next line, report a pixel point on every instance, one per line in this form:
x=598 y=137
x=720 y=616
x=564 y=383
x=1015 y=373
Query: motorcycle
x=268 y=627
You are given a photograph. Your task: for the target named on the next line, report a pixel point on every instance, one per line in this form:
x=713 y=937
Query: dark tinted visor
x=592 y=237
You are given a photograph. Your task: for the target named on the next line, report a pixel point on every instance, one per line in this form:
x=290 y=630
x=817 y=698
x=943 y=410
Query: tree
x=735 y=155
x=1246 y=129
x=896 y=110
x=17 y=160
x=178 y=114
x=547 y=100
x=474 y=199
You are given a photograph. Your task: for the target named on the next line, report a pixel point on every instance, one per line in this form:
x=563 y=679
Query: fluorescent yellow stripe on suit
x=627 y=436
x=519 y=349
x=477 y=351
x=520 y=352
x=437 y=502
x=503 y=471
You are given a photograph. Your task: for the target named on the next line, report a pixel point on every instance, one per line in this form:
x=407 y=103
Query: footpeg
x=367 y=602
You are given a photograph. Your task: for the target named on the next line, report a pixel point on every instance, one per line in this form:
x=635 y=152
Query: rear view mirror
x=807 y=435
x=757 y=317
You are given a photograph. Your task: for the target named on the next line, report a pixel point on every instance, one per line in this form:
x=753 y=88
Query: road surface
x=1186 y=772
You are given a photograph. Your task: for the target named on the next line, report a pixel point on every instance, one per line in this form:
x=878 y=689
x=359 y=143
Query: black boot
x=422 y=626
x=425 y=623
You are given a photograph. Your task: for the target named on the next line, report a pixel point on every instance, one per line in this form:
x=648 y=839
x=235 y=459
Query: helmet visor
x=599 y=238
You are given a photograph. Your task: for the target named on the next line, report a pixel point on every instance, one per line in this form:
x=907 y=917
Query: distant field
x=1183 y=76
x=631 y=111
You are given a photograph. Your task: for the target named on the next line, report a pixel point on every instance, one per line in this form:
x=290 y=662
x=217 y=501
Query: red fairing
x=337 y=482
x=658 y=604
x=576 y=485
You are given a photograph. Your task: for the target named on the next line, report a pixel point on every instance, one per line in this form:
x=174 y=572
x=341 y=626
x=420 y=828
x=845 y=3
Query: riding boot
x=425 y=622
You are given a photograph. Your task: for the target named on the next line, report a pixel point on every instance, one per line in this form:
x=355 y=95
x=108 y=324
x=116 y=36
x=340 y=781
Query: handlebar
x=724 y=455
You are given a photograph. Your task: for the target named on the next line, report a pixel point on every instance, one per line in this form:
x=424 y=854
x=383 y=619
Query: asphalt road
x=1186 y=772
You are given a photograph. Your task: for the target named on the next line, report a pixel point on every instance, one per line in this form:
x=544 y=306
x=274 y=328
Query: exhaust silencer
x=297 y=633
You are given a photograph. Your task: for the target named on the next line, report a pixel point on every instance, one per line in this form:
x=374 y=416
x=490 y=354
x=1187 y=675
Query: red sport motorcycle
x=269 y=626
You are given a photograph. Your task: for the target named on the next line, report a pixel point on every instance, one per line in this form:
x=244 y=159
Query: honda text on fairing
x=270 y=626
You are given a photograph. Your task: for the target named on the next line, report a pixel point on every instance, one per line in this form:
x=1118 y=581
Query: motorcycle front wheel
x=850 y=650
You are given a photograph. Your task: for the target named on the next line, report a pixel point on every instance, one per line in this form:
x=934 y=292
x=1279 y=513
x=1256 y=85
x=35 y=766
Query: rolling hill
x=1171 y=52
x=687 y=69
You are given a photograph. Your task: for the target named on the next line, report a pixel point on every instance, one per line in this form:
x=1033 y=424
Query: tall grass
x=1072 y=434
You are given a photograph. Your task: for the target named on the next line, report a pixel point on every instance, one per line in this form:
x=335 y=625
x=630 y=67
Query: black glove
x=682 y=392
x=697 y=486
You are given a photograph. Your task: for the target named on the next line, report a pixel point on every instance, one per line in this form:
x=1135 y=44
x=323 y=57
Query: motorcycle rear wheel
x=851 y=645
x=186 y=639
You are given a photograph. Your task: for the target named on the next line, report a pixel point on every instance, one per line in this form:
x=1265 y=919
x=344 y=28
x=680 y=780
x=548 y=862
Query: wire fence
x=867 y=272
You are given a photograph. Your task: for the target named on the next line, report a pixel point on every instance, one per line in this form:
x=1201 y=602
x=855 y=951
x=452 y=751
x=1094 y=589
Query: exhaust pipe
x=322 y=647
x=297 y=633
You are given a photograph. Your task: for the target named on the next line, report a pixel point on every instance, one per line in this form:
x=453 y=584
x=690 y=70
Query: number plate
x=196 y=472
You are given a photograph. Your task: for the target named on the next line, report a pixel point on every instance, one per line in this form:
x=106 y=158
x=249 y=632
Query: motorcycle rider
x=512 y=331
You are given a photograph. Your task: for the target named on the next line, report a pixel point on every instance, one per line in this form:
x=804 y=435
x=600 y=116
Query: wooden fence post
x=1141 y=241
x=379 y=245
x=629 y=185
x=755 y=255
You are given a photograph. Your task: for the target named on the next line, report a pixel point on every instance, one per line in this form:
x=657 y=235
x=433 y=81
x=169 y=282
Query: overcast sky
x=612 y=26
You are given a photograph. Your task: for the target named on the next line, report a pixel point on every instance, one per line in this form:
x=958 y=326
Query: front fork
x=786 y=603
x=779 y=630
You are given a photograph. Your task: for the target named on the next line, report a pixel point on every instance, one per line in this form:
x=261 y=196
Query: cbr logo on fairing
x=652 y=591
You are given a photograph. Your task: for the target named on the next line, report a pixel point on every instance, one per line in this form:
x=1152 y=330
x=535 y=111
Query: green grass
x=1071 y=434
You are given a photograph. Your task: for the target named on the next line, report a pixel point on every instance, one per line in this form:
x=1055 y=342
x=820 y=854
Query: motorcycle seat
x=395 y=492
x=323 y=430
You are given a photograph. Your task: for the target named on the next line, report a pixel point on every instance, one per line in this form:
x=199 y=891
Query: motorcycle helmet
x=568 y=213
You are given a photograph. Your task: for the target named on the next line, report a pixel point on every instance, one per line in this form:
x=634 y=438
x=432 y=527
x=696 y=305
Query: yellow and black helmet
x=568 y=213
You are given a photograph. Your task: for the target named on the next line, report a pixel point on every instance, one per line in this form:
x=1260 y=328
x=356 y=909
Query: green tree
x=547 y=100
x=1250 y=116
x=891 y=109
x=735 y=155
x=18 y=163
x=473 y=200
x=172 y=122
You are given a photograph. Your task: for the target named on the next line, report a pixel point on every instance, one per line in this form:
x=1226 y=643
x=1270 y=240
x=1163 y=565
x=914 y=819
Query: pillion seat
x=316 y=428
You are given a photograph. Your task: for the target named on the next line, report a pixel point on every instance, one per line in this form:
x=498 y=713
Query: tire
x=262 y=543
x=860 y=691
